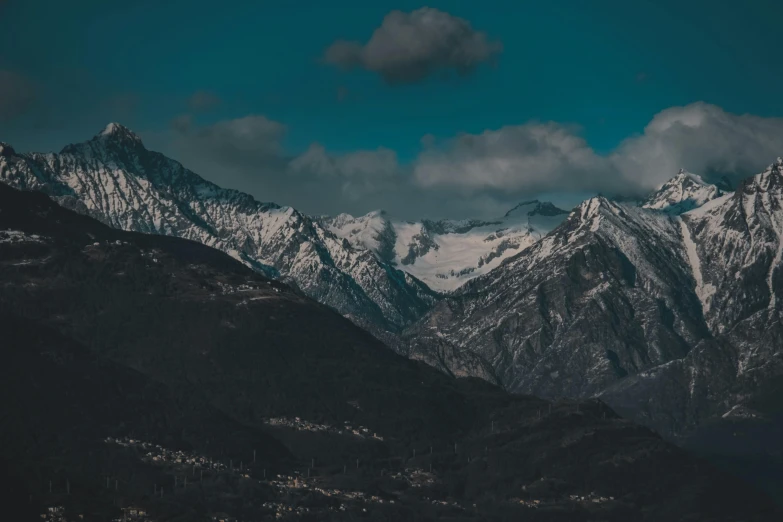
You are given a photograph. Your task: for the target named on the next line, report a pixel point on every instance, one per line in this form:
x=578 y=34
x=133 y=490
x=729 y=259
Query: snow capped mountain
x=672 y=319
x=115 y=179
x=669 y=310
x=682 y=193
x=735 y=247
x=579 y=309
x=446 y=254
x=738 y=248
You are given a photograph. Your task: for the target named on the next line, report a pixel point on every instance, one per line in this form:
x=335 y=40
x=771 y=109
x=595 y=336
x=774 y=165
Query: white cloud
x=702 y=138
x=243 y=142
x=532 y=157
x=536 y=157
x=359 y=173
x=474 y=175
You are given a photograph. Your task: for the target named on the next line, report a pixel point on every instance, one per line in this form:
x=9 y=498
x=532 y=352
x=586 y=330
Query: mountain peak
x=523 y=207
x=113 y=137
x=119 y=133
x=684 y=176
x=682 y=193
x=535 y=208
x=771 y=178
x=378 y=213
x=545 y=208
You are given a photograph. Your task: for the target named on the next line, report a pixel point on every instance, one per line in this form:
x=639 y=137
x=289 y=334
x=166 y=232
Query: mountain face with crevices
x=115 y=179
x=735 y=246
x=672 y=316
x=594 y=301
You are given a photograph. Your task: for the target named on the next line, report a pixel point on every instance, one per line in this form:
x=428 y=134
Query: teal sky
x=607 y=66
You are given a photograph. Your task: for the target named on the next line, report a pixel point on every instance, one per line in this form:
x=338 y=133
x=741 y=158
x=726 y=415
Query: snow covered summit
x=682 y=193
x=118 y=133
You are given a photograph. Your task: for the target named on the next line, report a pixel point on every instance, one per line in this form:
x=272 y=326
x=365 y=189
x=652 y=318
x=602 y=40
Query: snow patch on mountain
x=771 y=180
x=446 y=254
x=703 y=291
x=362 y=232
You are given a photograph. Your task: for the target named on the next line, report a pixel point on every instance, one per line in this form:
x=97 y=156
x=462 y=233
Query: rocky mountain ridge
x=115 y=179
x=682 y=193
x=673 y=319
x=381 y=274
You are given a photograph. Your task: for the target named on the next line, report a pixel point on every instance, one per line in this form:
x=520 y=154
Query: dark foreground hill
x=136 y=363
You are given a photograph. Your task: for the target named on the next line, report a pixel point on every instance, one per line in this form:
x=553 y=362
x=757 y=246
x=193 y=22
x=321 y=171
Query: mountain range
x=157 y=372
x=383 y=275
x=668 y=308
x=115 y=179
x=669 y=311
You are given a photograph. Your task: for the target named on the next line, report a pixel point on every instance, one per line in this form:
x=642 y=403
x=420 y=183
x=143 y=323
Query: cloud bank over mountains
x=473 y=174
x=536 y=157
x=452 y=174
x=702 y=138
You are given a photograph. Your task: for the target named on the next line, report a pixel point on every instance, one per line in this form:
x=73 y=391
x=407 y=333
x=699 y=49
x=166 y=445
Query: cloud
x=251 y=142
x=17 y=94
x=474 y=175
x=551 y=157
x=358 y=173
x=182 y=123
x=408 y=47
x=533 y=157
x=701 y=138
x=203 y=101
x=248 y=154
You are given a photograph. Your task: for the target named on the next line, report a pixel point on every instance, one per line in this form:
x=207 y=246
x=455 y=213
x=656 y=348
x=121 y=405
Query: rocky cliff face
x=734 y=244
x=115 y=179
x=598 y=299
